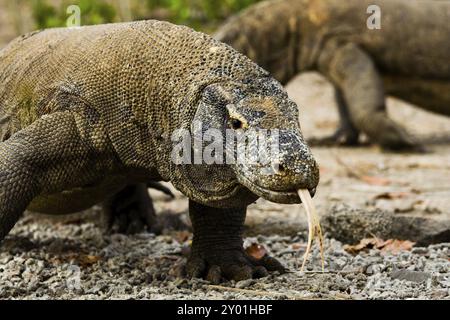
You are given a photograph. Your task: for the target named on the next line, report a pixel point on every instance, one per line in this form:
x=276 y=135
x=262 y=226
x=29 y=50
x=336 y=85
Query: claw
x=158 y=186
x=260 y=272
x=272 y=264
x=236 y=266
x=238 y=273
x=214 y=275
x=195 y=268
x=342 y=137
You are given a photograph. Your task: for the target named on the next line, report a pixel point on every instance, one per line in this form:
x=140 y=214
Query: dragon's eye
x=236 y=124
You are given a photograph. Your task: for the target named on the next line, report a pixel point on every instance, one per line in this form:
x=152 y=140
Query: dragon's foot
x=217 y=247
x=129 y=222
x=131 y=211
x=391 y=139
x=344 y=136
x=236 y=265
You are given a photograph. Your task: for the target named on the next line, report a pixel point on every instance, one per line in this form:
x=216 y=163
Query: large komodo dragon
x=87 y=111
x=409 y=57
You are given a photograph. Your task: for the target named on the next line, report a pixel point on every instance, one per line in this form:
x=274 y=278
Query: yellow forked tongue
x=314 y=228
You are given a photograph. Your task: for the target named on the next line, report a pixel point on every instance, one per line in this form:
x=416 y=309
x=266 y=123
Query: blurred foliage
x=47 y=15
x=200 y=14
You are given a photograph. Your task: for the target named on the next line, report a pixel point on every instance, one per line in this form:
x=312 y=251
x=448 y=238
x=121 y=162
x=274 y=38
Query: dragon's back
x=105 y=67
x=45 y=71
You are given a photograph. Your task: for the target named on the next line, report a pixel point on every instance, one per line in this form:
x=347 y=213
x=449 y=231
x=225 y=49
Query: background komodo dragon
x=87 y=111
x=409 y=57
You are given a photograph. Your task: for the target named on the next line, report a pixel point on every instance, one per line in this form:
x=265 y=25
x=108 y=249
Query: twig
x=352 y=173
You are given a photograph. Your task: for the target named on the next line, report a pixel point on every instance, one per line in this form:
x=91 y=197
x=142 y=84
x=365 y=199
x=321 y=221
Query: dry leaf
x=87 y=260
x=376 y=181
x=298 y=246
x=364 y=244
x=359 y=174
x=256 y=251
x=182 y=236
x=396 y=246
x=392 y=195
x=392 y=246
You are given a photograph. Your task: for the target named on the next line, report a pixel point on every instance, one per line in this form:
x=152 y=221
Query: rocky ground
x=67 y=261
x=364 y=194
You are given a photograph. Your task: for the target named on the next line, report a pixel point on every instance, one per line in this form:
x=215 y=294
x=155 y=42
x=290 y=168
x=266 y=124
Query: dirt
x=70 y=258
x=65 y=258
x=68 y=261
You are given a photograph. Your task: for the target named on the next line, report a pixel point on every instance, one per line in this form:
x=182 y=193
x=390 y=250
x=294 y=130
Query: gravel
x=47 y=260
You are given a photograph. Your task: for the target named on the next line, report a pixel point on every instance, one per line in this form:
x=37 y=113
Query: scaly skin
x=89 y=112
x=407 y=58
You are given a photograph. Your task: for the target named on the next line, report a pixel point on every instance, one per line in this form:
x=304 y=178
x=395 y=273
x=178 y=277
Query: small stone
x=244 y=283
x=413 y=276
x=419 y=250
x=180 y=282
x=350 y=225
x=340 y=262
x=375 y=268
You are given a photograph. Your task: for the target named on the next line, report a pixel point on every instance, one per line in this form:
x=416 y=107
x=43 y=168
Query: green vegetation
x=44 y=15
x=92 y=12
x=200 y=14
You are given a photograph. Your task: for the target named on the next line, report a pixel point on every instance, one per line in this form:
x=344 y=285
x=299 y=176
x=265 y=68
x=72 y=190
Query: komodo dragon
x=87 y=111
x=409 y=57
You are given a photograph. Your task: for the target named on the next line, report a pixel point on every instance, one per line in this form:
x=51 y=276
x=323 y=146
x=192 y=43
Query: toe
x=214 y=275
x=238 y=273
x=260 y=272
x=272 y=264
x=135 y=224
x=195 y=268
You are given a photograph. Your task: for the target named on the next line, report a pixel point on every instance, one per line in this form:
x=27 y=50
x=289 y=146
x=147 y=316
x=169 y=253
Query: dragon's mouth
x=286 y=197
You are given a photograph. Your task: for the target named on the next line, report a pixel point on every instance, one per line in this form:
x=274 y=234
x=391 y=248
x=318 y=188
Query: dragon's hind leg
x=346 y=134
x=131 y=211
x=352 y=71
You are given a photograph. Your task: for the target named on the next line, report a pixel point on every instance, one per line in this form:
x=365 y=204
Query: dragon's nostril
x=236 y=124
x=279 y=168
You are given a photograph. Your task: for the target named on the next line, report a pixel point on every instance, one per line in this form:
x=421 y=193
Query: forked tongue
x=314 y=228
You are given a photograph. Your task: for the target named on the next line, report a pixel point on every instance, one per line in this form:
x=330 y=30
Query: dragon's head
x=246 y=143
